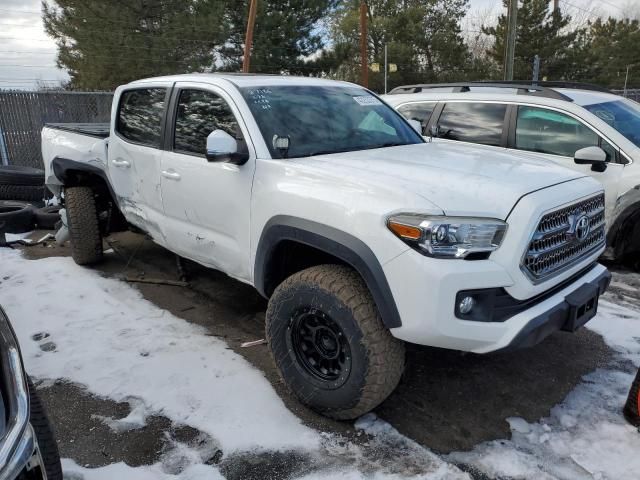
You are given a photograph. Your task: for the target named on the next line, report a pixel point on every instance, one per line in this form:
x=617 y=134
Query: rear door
x=206 y=204
x=556 y=136
x=134 y=155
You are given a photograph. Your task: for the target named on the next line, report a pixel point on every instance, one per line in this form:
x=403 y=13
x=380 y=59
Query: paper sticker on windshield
x=367 y=101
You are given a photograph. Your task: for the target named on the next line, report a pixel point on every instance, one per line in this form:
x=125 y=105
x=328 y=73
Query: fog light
x=466 y=305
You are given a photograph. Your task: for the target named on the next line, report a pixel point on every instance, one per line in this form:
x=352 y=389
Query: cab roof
x=244 y=79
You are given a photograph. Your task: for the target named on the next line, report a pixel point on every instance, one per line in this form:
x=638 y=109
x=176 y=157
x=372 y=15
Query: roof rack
x=522 y=88
x=554 y=84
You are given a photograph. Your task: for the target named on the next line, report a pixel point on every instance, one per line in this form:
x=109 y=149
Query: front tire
x=82 y=216
x=329 y=343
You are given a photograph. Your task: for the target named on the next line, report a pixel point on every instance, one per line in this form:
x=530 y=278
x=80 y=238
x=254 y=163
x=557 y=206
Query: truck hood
x=459 y=179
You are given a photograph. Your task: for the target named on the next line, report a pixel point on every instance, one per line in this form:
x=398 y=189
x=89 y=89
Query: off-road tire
x=82 y=217
x=16 y=217
x=22 y=183
x=28 y=193
x=44 y=435
x=377 y=357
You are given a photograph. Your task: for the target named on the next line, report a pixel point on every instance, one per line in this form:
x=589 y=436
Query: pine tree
x=423 y=39
x=105 y=44
x=540 y=31
x=285 y=32
x=610 y=46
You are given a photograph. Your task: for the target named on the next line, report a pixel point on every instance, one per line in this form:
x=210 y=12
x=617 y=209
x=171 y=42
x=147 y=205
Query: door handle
x=171 y=175
x=121 y=163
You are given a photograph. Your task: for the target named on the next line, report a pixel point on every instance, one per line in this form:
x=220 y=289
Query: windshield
x=315 y=120
x=622 y=115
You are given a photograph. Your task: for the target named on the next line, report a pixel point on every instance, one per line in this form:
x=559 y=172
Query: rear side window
x=418 y=111
x=140 y=115
x=548 y=131
x=200 y=113
x=472 y=122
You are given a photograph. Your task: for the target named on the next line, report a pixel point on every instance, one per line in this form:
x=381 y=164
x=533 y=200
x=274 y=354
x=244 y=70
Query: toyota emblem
x=582 y=227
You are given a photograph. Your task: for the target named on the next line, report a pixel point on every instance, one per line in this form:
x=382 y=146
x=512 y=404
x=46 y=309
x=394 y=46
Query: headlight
x=448 y=237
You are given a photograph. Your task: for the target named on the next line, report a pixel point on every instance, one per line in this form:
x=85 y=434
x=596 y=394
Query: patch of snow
x=121 y=471
x=12 y=237
x=136 y=419
x=586 y=435
x=103 y=334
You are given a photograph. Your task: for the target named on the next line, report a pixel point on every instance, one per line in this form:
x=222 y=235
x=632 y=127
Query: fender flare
x=62 y=166
x=337 y=243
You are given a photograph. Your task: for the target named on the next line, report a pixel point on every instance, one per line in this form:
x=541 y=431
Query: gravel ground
x=453 y=402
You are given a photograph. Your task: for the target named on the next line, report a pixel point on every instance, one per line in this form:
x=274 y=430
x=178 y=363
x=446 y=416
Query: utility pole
x=386 y=68
x=248 y=39
x=363 y=45
x=626 y=79
x=510 y=49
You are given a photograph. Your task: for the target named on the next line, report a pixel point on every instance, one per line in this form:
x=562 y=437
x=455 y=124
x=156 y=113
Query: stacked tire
x=22 y=183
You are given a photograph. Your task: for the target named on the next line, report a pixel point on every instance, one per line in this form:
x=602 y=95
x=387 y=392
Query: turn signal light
x=405 y=231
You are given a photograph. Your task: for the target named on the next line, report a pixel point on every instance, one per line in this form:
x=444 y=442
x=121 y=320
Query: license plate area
x=583 y=306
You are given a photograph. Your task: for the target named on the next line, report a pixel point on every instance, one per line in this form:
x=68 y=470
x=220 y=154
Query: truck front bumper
x=427 y=297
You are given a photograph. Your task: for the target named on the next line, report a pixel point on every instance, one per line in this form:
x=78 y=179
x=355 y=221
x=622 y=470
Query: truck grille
x=564 y=237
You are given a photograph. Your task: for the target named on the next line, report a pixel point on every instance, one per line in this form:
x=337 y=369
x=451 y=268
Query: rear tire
x=329 y=343
x=44 y=435
x=82 y=217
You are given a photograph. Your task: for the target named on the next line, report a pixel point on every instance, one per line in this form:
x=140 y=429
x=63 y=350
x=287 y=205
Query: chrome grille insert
x=563 y=237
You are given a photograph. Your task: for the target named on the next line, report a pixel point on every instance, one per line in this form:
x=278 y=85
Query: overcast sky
x=27 y=54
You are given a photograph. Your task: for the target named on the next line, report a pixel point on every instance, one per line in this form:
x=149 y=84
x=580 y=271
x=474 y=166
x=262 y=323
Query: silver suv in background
x=28 y=450
x=578 y=126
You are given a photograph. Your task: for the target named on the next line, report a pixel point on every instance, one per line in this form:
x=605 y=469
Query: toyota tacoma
x=362 y=235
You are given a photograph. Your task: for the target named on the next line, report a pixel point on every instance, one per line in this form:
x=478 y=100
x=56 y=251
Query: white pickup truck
x=325 y=199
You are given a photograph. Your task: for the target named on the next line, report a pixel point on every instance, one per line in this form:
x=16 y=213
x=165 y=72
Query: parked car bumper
x=18 y=445
x=429 y=315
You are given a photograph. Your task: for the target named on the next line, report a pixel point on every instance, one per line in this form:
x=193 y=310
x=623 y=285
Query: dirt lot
x=447 y=401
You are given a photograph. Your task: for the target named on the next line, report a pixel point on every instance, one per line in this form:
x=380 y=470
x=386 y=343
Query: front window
x=547 y=131
x=420 y=112
x=623 y=115
x=315 y=120
x=200 y=113
x=473 y=122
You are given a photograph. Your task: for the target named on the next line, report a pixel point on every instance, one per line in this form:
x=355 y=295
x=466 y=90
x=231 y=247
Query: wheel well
x=289 y=257
x=111 y=219
x=624 y=236
x=290 y=244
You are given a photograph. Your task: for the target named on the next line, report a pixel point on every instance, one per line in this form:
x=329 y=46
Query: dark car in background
x=28 y=449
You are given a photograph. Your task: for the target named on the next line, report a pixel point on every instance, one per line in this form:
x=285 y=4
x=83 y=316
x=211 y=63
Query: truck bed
x=98 y=130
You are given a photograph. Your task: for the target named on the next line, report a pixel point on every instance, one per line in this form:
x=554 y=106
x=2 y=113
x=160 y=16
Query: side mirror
x=594 y=156
x=416 y=125
x=222 y=147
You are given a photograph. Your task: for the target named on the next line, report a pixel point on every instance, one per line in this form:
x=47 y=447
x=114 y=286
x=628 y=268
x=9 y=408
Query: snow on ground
x=100 y=332
x=585 y=436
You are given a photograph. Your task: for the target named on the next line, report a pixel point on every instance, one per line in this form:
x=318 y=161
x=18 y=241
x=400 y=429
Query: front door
x=206 y=204
x=555 y=136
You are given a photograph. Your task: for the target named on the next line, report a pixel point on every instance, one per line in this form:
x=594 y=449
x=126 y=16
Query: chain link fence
x=633 y=93
x=23 y=114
